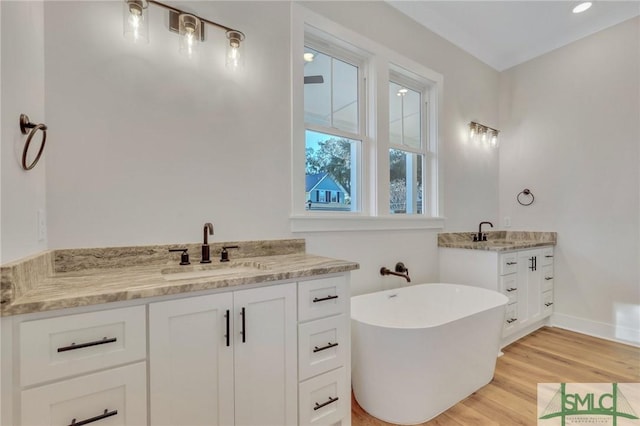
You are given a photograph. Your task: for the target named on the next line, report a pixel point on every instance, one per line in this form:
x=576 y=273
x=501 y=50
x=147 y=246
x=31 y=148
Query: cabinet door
x=191 y=366
x=265 y=347
x=530 y=281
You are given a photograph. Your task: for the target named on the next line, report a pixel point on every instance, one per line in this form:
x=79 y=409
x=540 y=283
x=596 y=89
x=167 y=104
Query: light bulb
x=484 y=135
x=189 y=30
x=135 y=21
x=472 y=131
x=494 y=140
x=235 y=58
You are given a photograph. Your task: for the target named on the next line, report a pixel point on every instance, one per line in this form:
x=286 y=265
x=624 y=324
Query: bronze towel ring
x=528 y=193
x=25 y=124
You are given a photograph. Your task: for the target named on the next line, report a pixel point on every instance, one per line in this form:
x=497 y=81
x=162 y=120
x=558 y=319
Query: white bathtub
x=418 y=350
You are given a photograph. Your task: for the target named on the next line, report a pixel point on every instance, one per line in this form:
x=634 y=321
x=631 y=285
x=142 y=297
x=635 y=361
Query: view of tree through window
x=328 y=171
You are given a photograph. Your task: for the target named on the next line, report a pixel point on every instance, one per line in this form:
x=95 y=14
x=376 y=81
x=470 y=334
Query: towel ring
x=25 y=125
x=526 y=192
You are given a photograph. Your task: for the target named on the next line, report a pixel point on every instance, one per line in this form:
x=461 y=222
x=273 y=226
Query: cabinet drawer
x=511 y=315
x=508 y=263
x=113 y=397
x=547 y=256
x=325 y=399
x=509 y=287
x=55 y=348
x=322 y=345
x=547 y=277
x=322 y=298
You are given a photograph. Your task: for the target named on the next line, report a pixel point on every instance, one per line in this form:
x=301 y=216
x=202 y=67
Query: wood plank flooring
x=549 y=355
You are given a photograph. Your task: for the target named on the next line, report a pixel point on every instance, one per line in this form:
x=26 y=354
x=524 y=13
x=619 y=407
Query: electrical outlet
x=507 y=222
x=42 y=225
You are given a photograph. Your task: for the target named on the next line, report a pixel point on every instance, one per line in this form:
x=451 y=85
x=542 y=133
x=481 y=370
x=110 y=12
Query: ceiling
x=506 y=33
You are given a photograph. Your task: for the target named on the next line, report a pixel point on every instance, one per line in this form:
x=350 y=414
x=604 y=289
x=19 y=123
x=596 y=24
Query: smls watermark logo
x=616 y=404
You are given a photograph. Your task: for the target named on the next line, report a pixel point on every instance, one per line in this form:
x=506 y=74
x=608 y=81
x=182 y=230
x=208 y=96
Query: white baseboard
x=628 y=336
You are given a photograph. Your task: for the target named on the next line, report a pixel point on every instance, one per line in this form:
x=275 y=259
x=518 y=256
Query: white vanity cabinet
x=524 y=276
x=224 y=359
x=84 y=368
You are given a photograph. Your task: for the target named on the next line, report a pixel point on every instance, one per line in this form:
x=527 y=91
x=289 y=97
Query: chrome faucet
x=480 y=236
x=206 y=253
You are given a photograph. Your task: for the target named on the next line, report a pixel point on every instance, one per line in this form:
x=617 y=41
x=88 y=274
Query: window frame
x=378 y=65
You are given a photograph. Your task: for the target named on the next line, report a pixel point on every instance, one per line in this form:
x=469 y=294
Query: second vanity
x=127 y=336
x=516 y=263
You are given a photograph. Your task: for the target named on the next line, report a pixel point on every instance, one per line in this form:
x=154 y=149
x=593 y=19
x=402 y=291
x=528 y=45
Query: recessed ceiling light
x=308 y=56
x=582 y=7
x=403 y=91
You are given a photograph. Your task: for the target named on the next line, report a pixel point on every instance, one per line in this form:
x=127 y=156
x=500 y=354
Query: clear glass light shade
x=189 y=30
x=235 y=51
x=493 y=141
x=473 y=131
x=135 y=20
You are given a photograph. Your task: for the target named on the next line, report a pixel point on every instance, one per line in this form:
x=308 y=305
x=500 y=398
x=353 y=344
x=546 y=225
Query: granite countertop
x=498 y=240
x=78 y=277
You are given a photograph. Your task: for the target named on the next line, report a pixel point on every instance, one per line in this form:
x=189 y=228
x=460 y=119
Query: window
x=333 y=135
x=364 y=132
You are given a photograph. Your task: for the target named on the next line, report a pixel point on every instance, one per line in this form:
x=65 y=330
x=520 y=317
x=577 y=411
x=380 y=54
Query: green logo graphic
x=565 y=404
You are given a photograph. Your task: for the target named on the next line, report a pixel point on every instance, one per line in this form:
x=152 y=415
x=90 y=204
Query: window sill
x=303 y=223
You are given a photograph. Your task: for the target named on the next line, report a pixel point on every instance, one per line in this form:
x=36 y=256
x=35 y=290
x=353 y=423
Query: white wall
x=22 y=193
x=145 y=147
x=570 y=125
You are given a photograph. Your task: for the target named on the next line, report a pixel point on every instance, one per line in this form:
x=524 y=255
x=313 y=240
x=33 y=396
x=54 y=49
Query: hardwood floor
x=549 y=355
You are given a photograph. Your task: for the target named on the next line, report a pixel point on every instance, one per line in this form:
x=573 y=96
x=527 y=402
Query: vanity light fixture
x=190 y=27
x=487 y=135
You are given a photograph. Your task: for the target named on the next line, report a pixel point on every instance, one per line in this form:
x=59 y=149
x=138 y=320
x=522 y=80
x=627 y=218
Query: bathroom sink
x=211 y=270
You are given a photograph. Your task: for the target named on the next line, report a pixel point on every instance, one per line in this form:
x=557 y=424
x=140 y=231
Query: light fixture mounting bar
x=174 y=23
x=177 y=12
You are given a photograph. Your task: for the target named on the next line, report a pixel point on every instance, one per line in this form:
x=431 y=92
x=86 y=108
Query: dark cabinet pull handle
x=244 y=329
x=548 y=255
x=329 y=346
x=104 y=415
x=512 y=320
x=548 y=304
x=73 y=346
x=324 y=404
x=548 y=278
x=322 y=299
x=511 y=289
x=227 y=336
x=512 y=263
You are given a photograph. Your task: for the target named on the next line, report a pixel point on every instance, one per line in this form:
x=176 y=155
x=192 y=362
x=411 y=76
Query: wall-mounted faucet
x=480 y=236
x=400 y=271
x=206 y=253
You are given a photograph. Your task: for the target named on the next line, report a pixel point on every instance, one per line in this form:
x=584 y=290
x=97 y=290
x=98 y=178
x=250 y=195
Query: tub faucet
x=480 y=236
x=206 y=253
x=400 y=271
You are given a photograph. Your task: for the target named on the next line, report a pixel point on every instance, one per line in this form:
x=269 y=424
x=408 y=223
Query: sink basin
x=211 y=270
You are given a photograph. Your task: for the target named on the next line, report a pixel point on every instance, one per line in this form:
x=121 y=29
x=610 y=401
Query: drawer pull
x=322 y=299
x=73 y=346
x=329 y=346
x=104 y=415
x=324 y=404
x=511 y=289
x=548 y=255
x=548 y=278
x=244 y=326
x=512 y=263
x=512 y=320
x=548 y=304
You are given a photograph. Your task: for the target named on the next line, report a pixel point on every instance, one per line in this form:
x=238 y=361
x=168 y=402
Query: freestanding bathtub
x=419 y=350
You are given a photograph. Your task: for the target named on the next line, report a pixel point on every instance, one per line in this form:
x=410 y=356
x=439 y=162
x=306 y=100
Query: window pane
x=317 y=96
x=406 y=188
x=345 y=96
x=404 y=116
x=330 y=172
x=331 y=92
x=395 y=113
